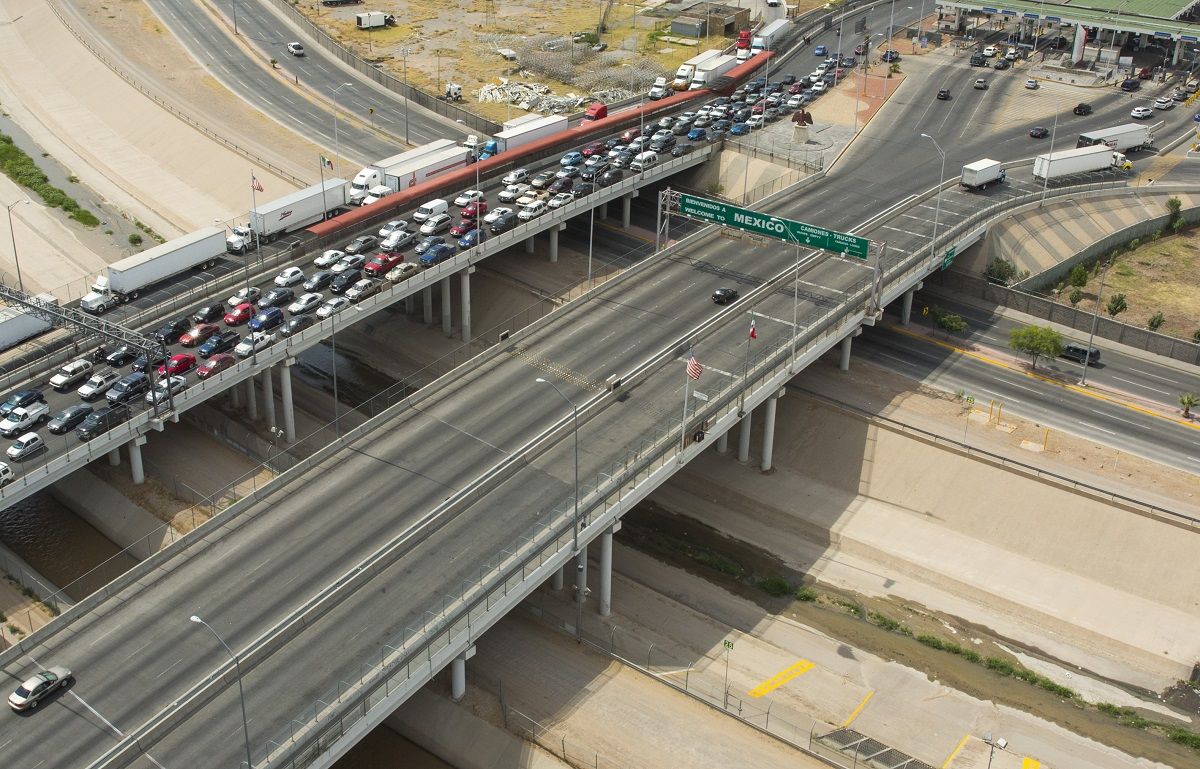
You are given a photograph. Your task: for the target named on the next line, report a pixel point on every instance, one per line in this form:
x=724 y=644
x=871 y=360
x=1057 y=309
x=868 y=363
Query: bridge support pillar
x=410 y=304
x=744 y=438
x=458 y=675
x=723 y=443
x=603 y=211
x=626 y=206
x=269 y=397
x=235 y=397
x=556 y=580
x=251 y=401
x=466 y=303
x=553 y=257
x=427 y=305
x=285 y=392
x=581 y=578
x=1080 y=42
x=606 y=544
x=135 y=460
x=768 y=440
x=844 y=361
x=529 y=245
x=906 y=307
x=447 y=325
x=114 y=457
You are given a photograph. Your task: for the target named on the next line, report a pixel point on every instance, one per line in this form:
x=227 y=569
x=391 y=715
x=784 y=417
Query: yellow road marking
x=781 y=678
x=1030 y=763
x=961 y=742
x=858 y=710
x=1048 y=380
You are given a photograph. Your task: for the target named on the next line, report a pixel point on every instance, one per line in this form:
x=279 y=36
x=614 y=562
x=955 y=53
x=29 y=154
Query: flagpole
x=746 y=367
x=324 y=203
x=687 y=394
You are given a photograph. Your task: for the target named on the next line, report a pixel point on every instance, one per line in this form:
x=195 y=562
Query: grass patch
x=21 y=168
x=806 y=594
x=774 y=586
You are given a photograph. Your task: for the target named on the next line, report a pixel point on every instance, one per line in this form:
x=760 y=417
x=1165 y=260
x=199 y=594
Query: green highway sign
x=773 y=226
x=948 y=259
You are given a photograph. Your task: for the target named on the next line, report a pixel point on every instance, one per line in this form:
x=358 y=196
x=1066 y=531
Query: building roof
x=1151 y=17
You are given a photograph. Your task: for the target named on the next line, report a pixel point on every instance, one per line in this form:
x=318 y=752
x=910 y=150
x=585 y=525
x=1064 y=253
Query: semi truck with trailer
x=982 y=173
x=1054 y=165
x=403 y=170
x=126 y=279
x=1131 y=136
x=708 y=72
x=287 y=214
x=769 y=35
x=18 y=324
x=683 y=75
x=522 y=133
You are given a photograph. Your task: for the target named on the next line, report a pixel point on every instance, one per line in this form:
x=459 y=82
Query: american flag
x=694 y=369
x=753 y=331
x=255 y=184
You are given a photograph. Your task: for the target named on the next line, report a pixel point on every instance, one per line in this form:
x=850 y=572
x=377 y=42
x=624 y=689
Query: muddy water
x=56 y=542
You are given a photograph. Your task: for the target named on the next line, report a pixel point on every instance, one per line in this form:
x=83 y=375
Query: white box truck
x=708 y=72
x=378 y=173
x=683 y=75
x=373 y=20
x=287 y=214
x=769 y=36
x=18 y=324
x=1131 y=136
x=126 y=279
x=982 y=173
x=528 y=131
x=659 y=89
x=1077 y=161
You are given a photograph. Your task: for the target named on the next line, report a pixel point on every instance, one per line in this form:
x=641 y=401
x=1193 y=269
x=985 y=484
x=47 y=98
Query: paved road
x=136 y=658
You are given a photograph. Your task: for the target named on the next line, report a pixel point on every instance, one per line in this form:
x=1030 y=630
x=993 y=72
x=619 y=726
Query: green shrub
x=1001 y=666
x=135 y=239
x=21 y=168
x=1078 y=276
x=1156 y=321
x=932 y=641
x=713 y=561
x=883 y=621
x=1133 y=244
x=1076 y=296
x=806 y=594
x=775 y=586
x=1184 y=737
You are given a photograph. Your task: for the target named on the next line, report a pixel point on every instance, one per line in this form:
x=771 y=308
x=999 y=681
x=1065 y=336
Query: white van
x=643 y=161
x=532 y=210
x=432 y=208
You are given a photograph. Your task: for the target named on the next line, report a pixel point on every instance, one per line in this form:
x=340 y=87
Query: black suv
x=128 y=388
x=100 y=422
x=1083 y=108
x=345 y=280
x=169 y=332
x=978 y=60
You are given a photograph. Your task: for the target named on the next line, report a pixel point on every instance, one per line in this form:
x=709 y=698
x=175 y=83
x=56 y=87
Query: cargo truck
x=386 y=171
x=126 y=279
x=1077 y=161
x=683 y=75
x=288 y=214
x=18 y=324
x=981 y=173
x=524 y=133
x=374 y=20
x=769 y=35
x=1131 y=136
x=708 y=72
x=660 y=89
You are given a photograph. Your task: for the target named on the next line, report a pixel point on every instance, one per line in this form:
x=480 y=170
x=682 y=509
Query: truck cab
x=659 y=89
x=240 y=240
x=376 y=193
x=596 y=112
x=490 y=148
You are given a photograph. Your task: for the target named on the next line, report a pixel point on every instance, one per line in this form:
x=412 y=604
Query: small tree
x=1076 y=296
x=1078 y=277
x=1001 y=270
x=1174 y=206
x=1116 y=305
x=1196 y=336
x=1036 y=341
x=1155 y=321
x=1188 y=401
x=951 y=324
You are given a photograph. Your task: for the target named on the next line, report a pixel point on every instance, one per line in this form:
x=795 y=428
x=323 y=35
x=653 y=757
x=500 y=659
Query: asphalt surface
x=137 y=656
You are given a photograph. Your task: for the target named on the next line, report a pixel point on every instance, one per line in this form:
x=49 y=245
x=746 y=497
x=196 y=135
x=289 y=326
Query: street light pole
x=235 y=17
x=938 y=210
x=404 y=53
x=337 y=146
x=241 y=692
x=1087 y=356
x=1049 y=156
x=12 y=234
x=581 y=589
x=795 y=289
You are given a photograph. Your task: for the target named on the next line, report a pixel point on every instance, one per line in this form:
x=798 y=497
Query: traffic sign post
x=948 y=259
x=776 y=227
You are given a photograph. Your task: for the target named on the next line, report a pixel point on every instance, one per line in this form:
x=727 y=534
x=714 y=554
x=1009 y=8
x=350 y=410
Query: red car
x=215 y=365
x=199 y=335
x=476 y=209
x=796 y=88
x=240 y=314
x=462 y=228
x=860 y=49
x=630 y=135
x=595 y=148
x=381 y=263
x=178 y=364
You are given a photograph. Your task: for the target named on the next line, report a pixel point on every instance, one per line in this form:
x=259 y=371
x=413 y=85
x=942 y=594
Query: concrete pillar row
x=458 y=678
x=906 y=307
x=768 y=440
x=410 y=304
x=743 y=454
x=603 y=213
x=135 y=460
x=235 y=397
x=268 y=380
x=529 y=245
x=723 y=443
x=427 y=305
x=465 y=310
x=289 y=411
x=606 y=548
x=553 y=257
x=114 y=457
x=556 y=580
x=844 y=361
x=251 y=400
x=447 y=320
x=626 y=206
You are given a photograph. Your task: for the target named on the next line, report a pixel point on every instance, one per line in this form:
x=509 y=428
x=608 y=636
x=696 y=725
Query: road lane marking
x=1094 y=427
x=1139 y=384
x=1004 y=398
x=173 y=664
x=781 y=678
x=1155 y=376
x=961 y=742
x=136 y=651
x=858 y=710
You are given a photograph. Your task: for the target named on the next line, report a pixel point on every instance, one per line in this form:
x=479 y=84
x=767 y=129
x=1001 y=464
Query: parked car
x=468 y=197
x=362 y=244
x=890 y=56
x=169 y=332
x=219 y=343
x=428 y=243
x=128 y=388
x=253 y=342
x=22 y=419
x=349 y=262
x=101 y=421
x=216 y=364
x=70 y=375
x=277 y=297
x=1141 y=113
x=20 y=398
x=437 y=223
x=344 y=281
x=305 y=303
x=725 y=296
x=318 y=280
x=180 y=363
x=333 y=304
x=991 y=51
x=240 y=314
x=402 y=271
x=381 y=263
x=1039 y=132
x=475 y=210
x=174 y=384
x=329 y=258
x=209 y=313
x=296 y=325
x=515 y=176
x=68 y=419
x=246 y=295
x=95 y=387
x=1130 y=84
x=363 y=289
x=392 y=227
x=146 y=362
x=25 y=446
x=290 y=277
x=199 y=334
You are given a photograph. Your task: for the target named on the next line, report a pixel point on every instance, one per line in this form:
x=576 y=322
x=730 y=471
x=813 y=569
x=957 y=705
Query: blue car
x=437 y=253
x=267 y=320
x=697 y=134
x=470 y=239
x=820 y=50
x=739 y=129
x=571 y=159
x=1196 y=117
